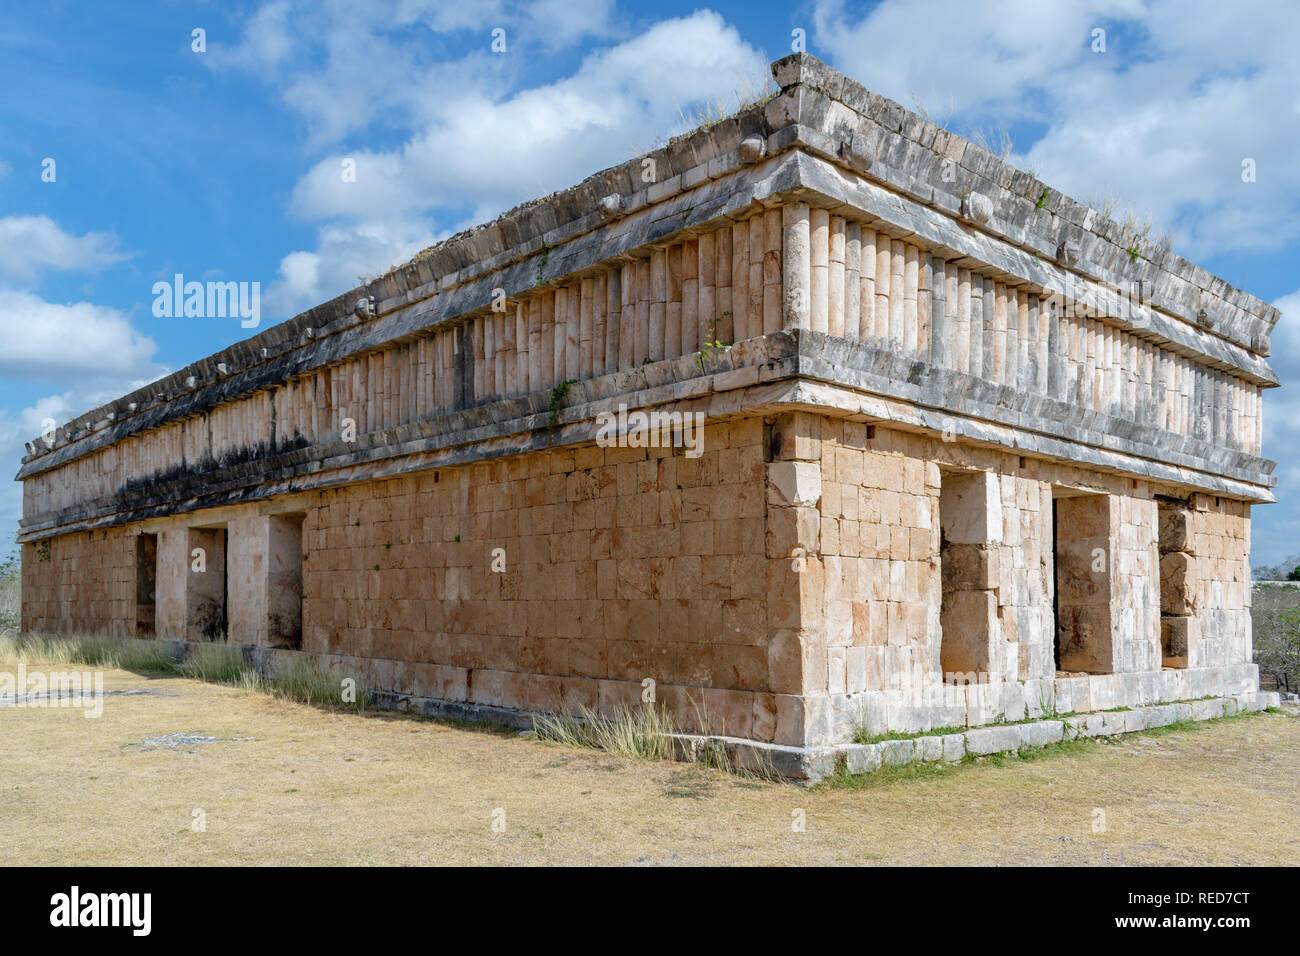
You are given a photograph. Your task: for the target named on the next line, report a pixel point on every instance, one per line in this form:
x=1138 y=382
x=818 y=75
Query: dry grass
x=302 y=680
x=750 y=91
x=325 y=786
x=147 y=657
x=640 y=732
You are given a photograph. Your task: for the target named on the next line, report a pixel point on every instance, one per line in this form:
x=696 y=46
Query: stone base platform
x=808 y=765
x=811 y=764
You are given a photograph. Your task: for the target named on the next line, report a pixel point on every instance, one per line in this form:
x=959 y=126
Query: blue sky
x=225 y=164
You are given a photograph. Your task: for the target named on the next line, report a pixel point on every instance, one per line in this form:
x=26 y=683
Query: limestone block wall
x=1219 y=535
x=618 y=565
x=970 y=524
x=94 y=582
x=880 y=607
x=204 y=580
x=1025 y=583
x=1205 y=589
x=172 y=576
x=1135 y=564
x=264 y=588
x=788 y=585
x=248 y=570
x=878 y=548
x=1108 y=580
x=880 y=514
x=80 y=583
x=996 y=561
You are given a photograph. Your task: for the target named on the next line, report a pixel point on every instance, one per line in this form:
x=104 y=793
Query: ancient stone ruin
x=820 y=422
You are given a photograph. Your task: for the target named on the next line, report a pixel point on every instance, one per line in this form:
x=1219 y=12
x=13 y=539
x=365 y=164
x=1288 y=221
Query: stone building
x=932 y=446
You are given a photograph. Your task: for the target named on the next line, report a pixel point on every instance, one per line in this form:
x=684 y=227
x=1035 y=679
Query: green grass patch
x=1072 y=746
x=862 y=737
x=886 y=776
x=841 y=779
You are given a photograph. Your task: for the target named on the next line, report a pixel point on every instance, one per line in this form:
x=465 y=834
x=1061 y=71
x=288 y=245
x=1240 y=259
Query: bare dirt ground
x=284 y=783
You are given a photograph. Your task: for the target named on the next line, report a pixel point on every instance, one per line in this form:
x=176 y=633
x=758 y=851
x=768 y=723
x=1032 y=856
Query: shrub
x=1277 y=648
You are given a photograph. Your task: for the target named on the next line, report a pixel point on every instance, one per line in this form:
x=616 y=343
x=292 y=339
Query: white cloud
x=30 y=245
x=343 y=254
x=479 y=153
x=1282 y=405
x=557 y=23
x=496 y=153
x=76 y=343
x=31 y=422
x=1158 y=155
x=1285 y=340
x=267 y=41
x=90 y=352
x=345 y=67
x=985 y=57
x=1163 y=118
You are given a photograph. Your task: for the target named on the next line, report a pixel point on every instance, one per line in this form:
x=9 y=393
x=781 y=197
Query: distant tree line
x=1275 y=614
x=1288 y=570
x=10 y=591
x=1277 y=649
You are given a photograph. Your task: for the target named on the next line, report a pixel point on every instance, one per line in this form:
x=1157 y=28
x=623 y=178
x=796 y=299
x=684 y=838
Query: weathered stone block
x=896 y=753
x=987 y=740
x=954 y=747
x=1178 y=583
x=863 y=758
x=1175 y=530
x=928 y=748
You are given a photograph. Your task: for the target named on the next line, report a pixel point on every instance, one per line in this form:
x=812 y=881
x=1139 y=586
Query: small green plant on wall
x=557 y=400
x=541 y=264
x=711 y=342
